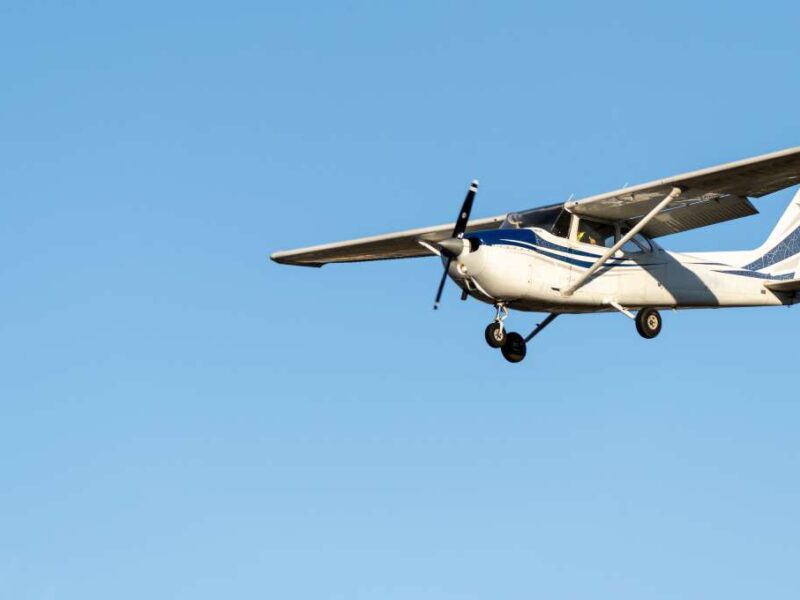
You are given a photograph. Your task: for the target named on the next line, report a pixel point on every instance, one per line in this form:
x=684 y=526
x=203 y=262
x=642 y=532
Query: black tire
x=648 y=323
x=514 y=349
x=495 y=335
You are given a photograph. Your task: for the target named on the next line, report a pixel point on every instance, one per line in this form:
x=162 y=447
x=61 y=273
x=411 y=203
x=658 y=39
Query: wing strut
x=676 y=191
x=550 y=318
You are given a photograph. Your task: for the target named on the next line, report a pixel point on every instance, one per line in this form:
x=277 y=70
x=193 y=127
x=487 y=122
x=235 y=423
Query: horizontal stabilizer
x=790 y=285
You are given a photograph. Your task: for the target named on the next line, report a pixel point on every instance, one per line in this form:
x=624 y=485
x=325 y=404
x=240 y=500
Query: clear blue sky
x=181 y=418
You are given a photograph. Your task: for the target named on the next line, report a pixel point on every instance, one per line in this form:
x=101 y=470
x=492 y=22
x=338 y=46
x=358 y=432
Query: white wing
x=708 y=196
x=402 y=244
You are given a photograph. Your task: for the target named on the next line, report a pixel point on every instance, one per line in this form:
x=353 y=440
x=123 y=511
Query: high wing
x=402 y=244
x=690 y=200
x=707 y=196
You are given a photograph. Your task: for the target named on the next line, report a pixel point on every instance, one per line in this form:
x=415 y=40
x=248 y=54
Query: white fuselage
x=527 y=269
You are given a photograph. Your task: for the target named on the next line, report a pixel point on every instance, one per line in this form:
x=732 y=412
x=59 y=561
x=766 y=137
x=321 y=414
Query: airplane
x=599 y=254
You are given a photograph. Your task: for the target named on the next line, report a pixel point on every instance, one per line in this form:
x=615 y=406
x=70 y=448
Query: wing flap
x=401 y=244
x=697 y=214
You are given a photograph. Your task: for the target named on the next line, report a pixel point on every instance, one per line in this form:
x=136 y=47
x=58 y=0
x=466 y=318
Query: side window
x=596 y=234
x=561 y=226
x=637 y=243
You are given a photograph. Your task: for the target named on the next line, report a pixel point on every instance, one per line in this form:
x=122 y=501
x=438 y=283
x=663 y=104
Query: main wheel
x=648 y=323
x=495 y=335
x=515 y=348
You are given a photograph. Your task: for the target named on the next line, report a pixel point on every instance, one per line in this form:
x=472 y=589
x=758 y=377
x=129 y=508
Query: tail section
x=779 y=256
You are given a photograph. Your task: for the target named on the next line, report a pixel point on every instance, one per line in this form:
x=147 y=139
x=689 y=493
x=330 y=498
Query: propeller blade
x=441 y=285
x=466 y=209
x=458 y=232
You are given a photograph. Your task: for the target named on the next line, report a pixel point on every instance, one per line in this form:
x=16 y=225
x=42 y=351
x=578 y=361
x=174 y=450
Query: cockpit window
x=637 y=243
x=550 y=218
x=597 y=234
x=561 y=226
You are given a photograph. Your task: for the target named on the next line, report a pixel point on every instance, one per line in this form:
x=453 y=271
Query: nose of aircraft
x=464 y=257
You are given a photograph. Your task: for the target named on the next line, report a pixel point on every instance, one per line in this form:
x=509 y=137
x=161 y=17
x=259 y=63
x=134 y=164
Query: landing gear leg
x=516 y=347
x=495 y=333
x=512 y=345
x=648 y=323
x=549 y=319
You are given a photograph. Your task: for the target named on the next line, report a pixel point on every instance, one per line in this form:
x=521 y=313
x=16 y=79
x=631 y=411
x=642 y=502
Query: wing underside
x=402 y=244
x=707 y=196
x=697 y=213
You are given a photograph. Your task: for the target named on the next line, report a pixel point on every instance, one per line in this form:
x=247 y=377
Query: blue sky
x=182 y=418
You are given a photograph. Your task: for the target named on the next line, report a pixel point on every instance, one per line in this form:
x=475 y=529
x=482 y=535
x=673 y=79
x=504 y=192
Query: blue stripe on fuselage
x=496 y=236
x=528 y=240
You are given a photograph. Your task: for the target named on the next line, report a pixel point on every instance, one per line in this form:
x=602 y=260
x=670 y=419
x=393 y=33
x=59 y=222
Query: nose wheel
x=495 y=335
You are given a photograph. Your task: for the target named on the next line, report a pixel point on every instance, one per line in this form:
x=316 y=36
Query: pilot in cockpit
x=587 y=234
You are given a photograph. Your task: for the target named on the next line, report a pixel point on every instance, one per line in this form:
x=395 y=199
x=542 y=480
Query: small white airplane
x=598 y=254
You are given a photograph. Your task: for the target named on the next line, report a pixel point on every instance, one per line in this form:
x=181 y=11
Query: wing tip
x=283 y=258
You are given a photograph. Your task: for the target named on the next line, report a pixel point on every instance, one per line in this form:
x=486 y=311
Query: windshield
x=550 y=218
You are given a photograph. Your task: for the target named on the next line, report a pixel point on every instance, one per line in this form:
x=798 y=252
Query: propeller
x=451 y=247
